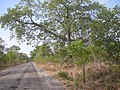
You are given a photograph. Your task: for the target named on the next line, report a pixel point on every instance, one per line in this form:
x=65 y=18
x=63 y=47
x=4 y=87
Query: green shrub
x=63 y=75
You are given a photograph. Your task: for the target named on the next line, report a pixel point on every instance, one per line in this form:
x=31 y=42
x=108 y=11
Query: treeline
x=10 y=56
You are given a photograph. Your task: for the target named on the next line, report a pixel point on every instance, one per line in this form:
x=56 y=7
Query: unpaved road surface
x=27 y=77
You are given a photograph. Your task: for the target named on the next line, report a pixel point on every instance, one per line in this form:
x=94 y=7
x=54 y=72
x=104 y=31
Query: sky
x=109 y=3
x=5 y=34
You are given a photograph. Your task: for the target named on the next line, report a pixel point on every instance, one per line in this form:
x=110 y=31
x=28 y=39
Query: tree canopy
x=106 y=31
x=63 y=20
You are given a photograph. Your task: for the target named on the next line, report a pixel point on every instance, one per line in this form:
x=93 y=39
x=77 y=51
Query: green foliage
x=64 y=20
x=22 y=57
x=12 y=52
x=81 y=30
x=34 y=52
x=43 y=53
x=60 y=52
x=105 y=32
x=79 y=51
x=97 y=53
x=63 y=75
x=82 y=53
x=14 y=48
x=2 y=55
x=10 y=56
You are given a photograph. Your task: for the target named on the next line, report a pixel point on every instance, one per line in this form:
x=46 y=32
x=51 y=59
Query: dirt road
x=27 y=77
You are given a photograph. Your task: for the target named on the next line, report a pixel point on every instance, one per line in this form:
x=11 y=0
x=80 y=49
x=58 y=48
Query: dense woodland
x=69 y=33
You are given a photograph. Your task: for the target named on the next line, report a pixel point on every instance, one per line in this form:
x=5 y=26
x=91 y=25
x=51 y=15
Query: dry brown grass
x=94 y=75
x=52 y=69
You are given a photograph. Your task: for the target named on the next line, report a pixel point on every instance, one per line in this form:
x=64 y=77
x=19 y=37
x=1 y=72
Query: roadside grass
x=99 y=76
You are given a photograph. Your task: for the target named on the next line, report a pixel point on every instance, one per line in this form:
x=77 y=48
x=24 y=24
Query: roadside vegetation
x=80 y=40
x=10 y=56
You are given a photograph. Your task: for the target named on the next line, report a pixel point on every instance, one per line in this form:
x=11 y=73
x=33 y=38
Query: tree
x=43 y=51
x=12 y=54
x=23 y=57
x=81 y=53
x=14 y=48
x=34 y=52
x=2 y=55
x=64 y=20
x=106 y=32
x=1 y=46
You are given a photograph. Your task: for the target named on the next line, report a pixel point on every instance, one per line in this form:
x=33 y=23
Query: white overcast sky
x=4 y=4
